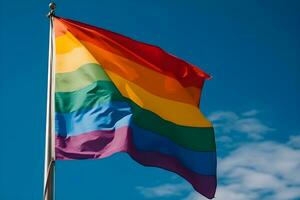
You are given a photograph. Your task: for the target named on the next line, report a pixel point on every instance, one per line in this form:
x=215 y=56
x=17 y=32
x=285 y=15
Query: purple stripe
x=92 y=145
x=204 y=184
x=100 y=144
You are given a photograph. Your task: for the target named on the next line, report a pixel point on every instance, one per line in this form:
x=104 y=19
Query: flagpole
x=49 y=170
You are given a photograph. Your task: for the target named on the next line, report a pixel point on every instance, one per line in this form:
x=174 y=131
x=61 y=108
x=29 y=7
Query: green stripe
x=194 y=138
x=99 y=92
x=82 y=77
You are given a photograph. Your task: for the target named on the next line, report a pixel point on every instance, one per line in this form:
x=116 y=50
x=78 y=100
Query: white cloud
x=267 y=157
x=227 y=122
x=250 y=113
x=254 y=127
x=294 y=141
x=224 y=193
x=194 y=196
x=224 y=139
x=259 y=170
x=164 y=190
x=263 y=170
x=223 y=115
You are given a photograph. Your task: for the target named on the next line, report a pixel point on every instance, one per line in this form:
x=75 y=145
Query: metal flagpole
x=49 y=170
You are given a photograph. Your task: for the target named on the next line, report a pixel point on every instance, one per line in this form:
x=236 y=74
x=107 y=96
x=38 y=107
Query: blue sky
x=252 y=50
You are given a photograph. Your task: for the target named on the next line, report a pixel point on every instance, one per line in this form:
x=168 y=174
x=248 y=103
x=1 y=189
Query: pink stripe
x=100 y=144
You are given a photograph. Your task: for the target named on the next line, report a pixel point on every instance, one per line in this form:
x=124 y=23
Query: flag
x=115 y=94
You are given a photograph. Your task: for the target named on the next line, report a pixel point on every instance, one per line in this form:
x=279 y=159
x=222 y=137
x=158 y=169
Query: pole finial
x=52 y=7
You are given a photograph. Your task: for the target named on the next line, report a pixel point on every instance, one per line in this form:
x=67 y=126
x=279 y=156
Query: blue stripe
x=200 y=162
x=107 y=117
x=115 y=115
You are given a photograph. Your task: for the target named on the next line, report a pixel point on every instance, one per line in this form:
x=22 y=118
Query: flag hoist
x=50 y=129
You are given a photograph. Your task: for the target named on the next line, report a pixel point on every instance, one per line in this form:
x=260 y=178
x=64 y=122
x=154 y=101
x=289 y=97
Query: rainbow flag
x=115 y=94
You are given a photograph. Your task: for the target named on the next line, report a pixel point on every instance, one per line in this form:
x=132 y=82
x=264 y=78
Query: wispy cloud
x=294 y=141
x=250 y=113
x=261 y=170
x=223 y=193
x=164 y=190
x=228 y=121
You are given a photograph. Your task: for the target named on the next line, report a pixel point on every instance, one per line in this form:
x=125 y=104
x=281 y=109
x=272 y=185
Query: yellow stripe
x=65 y=43
x=71 y=54
x=176 y=112
x=71 y=61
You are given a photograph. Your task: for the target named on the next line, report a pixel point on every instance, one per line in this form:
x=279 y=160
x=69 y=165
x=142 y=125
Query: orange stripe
x=150 y=80
x=150 y=56
x=59 y=28
x=72 y=54
x=158 y=85
x=195 y=94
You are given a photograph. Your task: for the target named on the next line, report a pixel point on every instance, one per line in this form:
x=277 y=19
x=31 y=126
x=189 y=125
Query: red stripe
x=147 y=55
